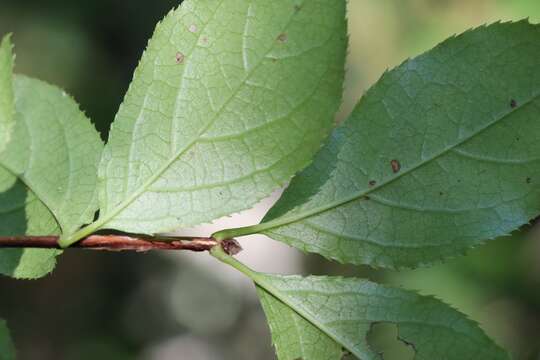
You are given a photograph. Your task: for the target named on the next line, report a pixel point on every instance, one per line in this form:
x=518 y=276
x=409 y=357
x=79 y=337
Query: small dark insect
x=528 y=180
x=396 y=166
x=372 y=183
x=282 y=37
x=513 y=104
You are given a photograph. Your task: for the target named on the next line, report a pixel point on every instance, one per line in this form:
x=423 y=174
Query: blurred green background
x=164 y=307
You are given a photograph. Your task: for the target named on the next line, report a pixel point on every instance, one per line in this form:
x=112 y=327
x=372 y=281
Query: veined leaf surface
x=48 y=174
x=230 y=99
x=314 y=318
x=7 y=107
x=7 y=351
x=439 y=156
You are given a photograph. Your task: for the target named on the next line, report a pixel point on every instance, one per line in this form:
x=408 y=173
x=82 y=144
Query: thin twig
x=121 y=243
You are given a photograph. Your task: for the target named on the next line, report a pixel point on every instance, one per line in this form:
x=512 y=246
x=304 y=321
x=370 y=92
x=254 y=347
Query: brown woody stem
x=122 y=243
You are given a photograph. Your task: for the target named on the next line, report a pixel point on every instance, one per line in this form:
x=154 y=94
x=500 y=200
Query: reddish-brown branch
x=122 y=243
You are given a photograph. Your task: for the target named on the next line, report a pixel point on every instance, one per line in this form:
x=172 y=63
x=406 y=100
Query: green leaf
x=48 y=174
x=7 y=350
x=231 y=98
x=439 y=156
x=293 y=336
x=314 y=318
x=22 y=213
x=7 y=107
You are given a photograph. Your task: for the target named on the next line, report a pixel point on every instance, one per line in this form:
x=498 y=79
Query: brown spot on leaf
x=396 y=166
x=372 y=183
x=180 y=57
x=513 y=104
x=282 y=37
x=297 y=8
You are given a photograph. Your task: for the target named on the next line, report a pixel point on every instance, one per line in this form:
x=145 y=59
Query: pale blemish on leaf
x=282 y=37
x=180 y=58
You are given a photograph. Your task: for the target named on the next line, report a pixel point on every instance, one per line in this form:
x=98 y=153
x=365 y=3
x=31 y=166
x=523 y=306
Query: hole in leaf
x=383 y=338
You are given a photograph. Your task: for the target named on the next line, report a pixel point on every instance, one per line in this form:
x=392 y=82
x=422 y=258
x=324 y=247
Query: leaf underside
x=339 y=313
x=22 y=213
x=230 y=99
x=48 y=176
x=439 y=156
x=6 y=92
x=7 y=351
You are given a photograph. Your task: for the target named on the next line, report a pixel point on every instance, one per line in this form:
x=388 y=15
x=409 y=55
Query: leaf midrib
x=145 y=186
x=355 y=196
x=174 y=156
